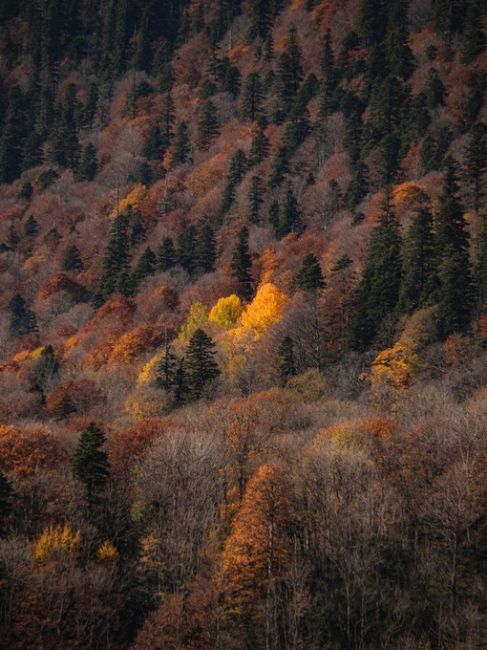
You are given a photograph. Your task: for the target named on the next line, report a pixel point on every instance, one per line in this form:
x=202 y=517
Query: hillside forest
x=243 y=325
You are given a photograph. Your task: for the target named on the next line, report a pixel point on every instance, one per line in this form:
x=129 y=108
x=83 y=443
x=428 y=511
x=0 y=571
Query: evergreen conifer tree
x=182 y=147
x=186 y=249
x=378 y=290
x=207 y=125
x=201 y=366
x=146 y=265
x=275 y=216
x=242 y=263
x=255 y=199
x=115 y=262
x=287 y=365
x=476 y=162
x=205 y=250
x=252 y=97
x=291 y=216
x=419 y=277
x=259 y=148
x=310 y=277
x=166 y=370
x=166 y=255
x=89 y=462
x=31 y=228
x=6 y=494
x=22 y=319
x=64 y=408
x=136 y=227
x=72 y=259
x=88 y=165
x=481 y=262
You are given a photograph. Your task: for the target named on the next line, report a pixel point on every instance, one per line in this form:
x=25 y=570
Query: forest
x=243 y=325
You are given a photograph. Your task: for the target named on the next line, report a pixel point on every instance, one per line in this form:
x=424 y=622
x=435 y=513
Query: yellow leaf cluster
x=56 y=539
x=265 y=310
x=132 y=199
x=408 y=192
x=150 y=403
x=198 y=315
x=107 y=551
x=226 y=311
x=148 y=372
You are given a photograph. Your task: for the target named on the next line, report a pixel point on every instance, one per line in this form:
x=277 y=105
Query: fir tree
x=180 y=383
x=287 y=364
x=31 y=228
x=201 y=367
x=182 y=146
x=279 y=167
x=186 y=249
x=252 y=97
x=289 y=75
x=290 y=221
x=473 y=35
x=378 y=290
x=88 y=165
x=259 y=148
x=310 y=277
x=455 y=293
x=476 y=162
x=22 y=319
x=205 y=250
x=275 y=216
x=207 y=125
x=435 y=91
x=6 y=495
x=115 y=262
x=26 y=191
x=166 y=255
x=260 y=19
x=481 y=262
x=64 y=408
x=242 y=263
x=13 y=238
x=146 y=265
x=255 y=199
x=45 y=368
x=72 y=259
x=419 y=279
x=450 y=222
x=167 y=369
x=89 y=462
x=136 y=227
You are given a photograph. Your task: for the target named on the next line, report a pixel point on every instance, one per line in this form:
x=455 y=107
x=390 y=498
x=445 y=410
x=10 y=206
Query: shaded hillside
x=243 y=323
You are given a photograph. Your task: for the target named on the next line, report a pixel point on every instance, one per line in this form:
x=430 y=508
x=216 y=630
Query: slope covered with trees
x=243 y=324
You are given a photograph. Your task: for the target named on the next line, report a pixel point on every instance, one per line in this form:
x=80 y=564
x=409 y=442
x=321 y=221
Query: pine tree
x=22 y=319
x=255 y=199
x=275 y=216
x=287 y=365
x=260 y=19
x=310 y=277
x=64 y=408
x=13 y=238
x=182 y=147
x=435 y=91
x=455 y=293
x=291 y=216
x=207 y=125
x=289 y=75
x=166 y=370
x=72 y=259
x=186 y=249
x=481 y=262
x=201 y=366
x=252 y=98
x=45 y=368
x=166 y=255
x=88 y=165
x=242 y=263
x=473 y=37
x=146 y=265
x=31 y=228
x=419 y=277
x=89 y=462
x=115 y=262
x=205 y=250
x=6 y=494
x=476 y=162
x=259 y=148
x=378 y=290
x=450 y=222
x=136 y=227
x=280 y=167
x=180 y=383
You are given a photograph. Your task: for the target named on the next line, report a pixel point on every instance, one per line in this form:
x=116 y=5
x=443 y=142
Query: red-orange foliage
x=61 y=282
x=24 y=451
x=135 y=342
